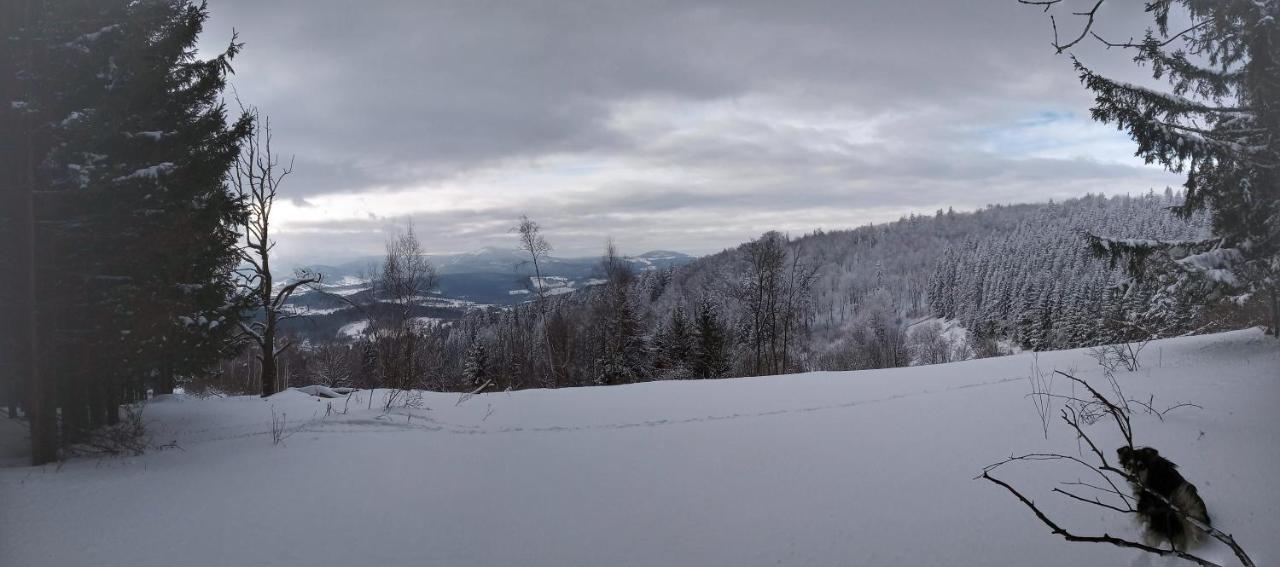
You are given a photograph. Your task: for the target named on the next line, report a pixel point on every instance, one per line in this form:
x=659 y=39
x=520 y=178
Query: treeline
x=1040 y=286
x=120 y=230
x=1022 y=275
x=606 y=334
x=838 y=300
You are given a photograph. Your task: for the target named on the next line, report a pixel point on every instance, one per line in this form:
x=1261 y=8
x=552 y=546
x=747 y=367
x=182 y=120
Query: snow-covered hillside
x=854 y=468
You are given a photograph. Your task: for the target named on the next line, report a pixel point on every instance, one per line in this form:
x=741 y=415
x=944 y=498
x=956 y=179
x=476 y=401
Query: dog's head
x=1136 y=461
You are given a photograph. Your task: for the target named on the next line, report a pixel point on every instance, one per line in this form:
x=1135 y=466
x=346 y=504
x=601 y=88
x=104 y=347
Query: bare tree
x=403 y=278
x=797 y=299
x=777 y=292
x=766 y=257
x=532 y=242
x=331 y=364
x=398 y=286
x=928 y=345
x=258 y=173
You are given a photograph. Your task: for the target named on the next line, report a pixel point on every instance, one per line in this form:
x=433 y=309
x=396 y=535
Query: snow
x=72 y=118
x=427 y=322
x=81 y=174
x=346 y=285
x=319 y=391
x=313 y=311
x=346 y=281
x=150 y=172
x=1215 y=264
x=343 y=292
x=550 y=282
x=838 y=468
x=453 y=302
x=353 y=330
x=93 y=36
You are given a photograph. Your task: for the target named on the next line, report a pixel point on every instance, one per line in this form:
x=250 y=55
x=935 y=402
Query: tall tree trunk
x=75 y=420
x=165 y=384
x=268 y=376
x=112 y=401
x=1275 y=311
x=44 y=435
x=268 y=359
x=95 y=406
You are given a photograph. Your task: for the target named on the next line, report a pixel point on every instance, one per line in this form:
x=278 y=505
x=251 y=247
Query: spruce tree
x=137 y=226
x=711 y=354
x=165 y=204
x=475 y=368
x=622 y=351
x=1219 y=123
x=674 y=345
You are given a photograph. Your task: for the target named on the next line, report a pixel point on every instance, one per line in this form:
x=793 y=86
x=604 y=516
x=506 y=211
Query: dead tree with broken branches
x=258 y=173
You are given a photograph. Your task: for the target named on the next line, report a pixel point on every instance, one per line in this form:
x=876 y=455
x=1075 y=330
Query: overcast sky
x=690 y=126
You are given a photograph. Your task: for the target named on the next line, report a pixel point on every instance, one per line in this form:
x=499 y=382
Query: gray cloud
x=378 y=97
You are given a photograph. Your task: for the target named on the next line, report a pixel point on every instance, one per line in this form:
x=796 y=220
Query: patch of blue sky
x=1052 y=134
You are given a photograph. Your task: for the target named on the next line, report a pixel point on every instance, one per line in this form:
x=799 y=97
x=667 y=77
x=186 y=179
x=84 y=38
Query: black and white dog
x=1160 y=476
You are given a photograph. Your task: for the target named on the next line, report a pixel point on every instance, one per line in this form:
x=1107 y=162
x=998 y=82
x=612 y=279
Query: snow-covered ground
x=557 y=285
x=852 y=468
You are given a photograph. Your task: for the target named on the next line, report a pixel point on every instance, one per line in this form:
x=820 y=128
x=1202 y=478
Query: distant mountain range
x=488 y=276
x=494 y=260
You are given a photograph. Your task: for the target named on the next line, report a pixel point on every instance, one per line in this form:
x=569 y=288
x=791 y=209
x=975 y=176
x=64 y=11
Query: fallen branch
x=467 y=396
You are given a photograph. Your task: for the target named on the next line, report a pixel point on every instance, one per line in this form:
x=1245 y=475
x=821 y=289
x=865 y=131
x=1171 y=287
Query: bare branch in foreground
x=1104 y=538
x=1120 y=411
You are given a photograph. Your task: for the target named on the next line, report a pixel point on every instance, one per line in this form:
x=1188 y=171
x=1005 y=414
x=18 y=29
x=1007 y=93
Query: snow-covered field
x=854 y=468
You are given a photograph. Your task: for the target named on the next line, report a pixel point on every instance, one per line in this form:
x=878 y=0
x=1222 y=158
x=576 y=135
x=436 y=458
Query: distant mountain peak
x=493 y=251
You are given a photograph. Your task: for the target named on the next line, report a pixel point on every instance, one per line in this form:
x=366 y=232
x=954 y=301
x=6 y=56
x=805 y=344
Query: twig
x=1094 y=501
x=1121 y=416
x=1148 y=405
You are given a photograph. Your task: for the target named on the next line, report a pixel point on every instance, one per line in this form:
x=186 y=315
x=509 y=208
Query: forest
x=1020 y=276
